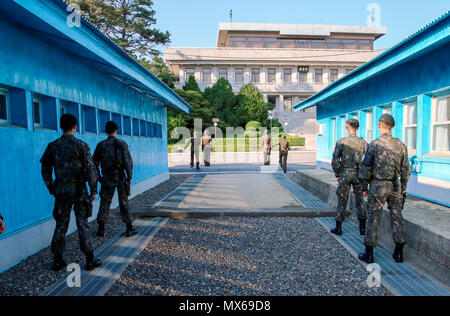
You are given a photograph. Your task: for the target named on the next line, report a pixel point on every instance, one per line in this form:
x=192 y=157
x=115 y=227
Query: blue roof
x=435 y=34
x=48 y=18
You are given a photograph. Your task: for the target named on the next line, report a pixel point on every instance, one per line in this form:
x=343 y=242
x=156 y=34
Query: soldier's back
x=352 y=150
x=67 y=159
x=388 y=154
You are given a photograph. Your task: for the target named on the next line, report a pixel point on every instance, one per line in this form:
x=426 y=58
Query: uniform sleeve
x=97 y=158
x=336 y=162
x=47 y=169
x=128 y=161
x=365 y=172
x=89 y=166
x=405 y=170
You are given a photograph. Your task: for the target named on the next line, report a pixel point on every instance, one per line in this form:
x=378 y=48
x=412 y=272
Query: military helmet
x=353 y=123
x=387 y=119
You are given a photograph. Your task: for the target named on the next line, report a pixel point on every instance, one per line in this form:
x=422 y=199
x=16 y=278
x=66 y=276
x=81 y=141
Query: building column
x=281 y=108
x=424 y=141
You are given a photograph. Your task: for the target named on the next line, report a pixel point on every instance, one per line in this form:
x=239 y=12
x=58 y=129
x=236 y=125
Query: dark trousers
x=283 y=160
x=106 y=195
x=61 y=213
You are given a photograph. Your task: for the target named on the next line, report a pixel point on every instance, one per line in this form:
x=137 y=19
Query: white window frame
x=240 y=74
x=344 y=126
x=210 y=75
x=252 y=73
x=8 y=111
x=188 y=74
x=274 y=75
x=387 y=110
x=321 y=75
x=41 y=123
x=285 y=77
x=337 y=75
x=225 y=73
x=334 y=132
x=434 y=123
x=406 y=105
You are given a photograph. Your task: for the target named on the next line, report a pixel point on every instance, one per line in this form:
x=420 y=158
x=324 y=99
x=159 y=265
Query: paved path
x=242 y=255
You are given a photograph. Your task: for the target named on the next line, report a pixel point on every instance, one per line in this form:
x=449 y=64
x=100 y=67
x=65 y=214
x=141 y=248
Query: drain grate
x=307 y=199
x=178 y=196
x=404 y=279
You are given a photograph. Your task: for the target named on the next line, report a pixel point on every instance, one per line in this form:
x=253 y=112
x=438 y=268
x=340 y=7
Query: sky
x=194 y=23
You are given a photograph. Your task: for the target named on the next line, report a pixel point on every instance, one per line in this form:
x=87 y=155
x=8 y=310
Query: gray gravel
x=244 y=257
x=33 y=275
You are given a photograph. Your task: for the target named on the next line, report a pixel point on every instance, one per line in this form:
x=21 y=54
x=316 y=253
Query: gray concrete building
x=286 y=62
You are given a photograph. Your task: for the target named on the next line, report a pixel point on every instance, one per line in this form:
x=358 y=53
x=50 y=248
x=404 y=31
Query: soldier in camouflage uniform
x=114 y=158
x=386 y=165
x=71 y=161
x=347 y=159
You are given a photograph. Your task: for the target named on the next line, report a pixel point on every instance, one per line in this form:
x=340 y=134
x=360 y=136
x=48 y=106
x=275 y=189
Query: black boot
x=59 y=263
x=367 y=256
x=398 y=254
x=130 y=231
x=198 y=166
x=91 y=262
x=192 y=165
x=362 y=228
x=338 y=229
x=101 y=230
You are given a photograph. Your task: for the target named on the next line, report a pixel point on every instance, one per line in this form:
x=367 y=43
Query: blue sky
x=193 y=23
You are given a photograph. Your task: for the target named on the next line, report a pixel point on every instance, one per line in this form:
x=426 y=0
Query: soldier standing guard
x=347 y=159
x=114 y=158
x=71 y=161
x=194 y=142
x=266 y=144
x=207 y=148
x=386 y=165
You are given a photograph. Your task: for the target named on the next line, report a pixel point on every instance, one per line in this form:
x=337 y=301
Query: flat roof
x=309 y=30
x=433 y=35
x=48 y=18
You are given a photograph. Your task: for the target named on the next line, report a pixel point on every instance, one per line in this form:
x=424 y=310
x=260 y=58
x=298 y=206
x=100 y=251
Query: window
x=410 y=126
x=88 y=117
x=288 y=44
x=334 y=43
x=143 y=127
x=288 y=104
x=334 y=135
x=206 y=75
x=190 y=72
x=343 y=126
x=334 y=73
x=318 y=76
x=135 y=127
x=4 y=107
x=238 y=42
x=350 y=44
x=303 y=77
x=103 y=118
x=365 y=45
x=254 y=42
x=272 y=100
x=239 y=76
x=369 y=125
x=317 y=44
x=441 y=124
x=287 y=75
x=347 y=71
x=223 y=73
x=256 y=72
x=271 y=43
x=37 y=112
x=272 y=75
x=127 y=125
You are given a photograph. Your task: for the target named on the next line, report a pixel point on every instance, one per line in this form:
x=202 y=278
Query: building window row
x=92 y=120
x=439 y=131
x=273 y=42
x=271 y=75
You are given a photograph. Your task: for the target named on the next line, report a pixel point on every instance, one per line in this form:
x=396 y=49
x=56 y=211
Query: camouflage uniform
x=387 y=167
x=194 y=142
x=347 y=159
x=284 y=151
x=71 y=160
x=114 y=158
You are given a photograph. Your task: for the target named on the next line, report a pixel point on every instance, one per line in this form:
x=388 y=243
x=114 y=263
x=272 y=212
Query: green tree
x=201 y=108
x=251 y=106
x=160 y=69
x=192 y=85
x=223 y=101
x=129 y=23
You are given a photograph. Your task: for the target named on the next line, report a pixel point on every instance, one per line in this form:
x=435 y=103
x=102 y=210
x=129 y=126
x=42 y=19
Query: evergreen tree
x=160 y=69
x=129 y=23
x=251 y=106
x=192 y=85
x=223 y=101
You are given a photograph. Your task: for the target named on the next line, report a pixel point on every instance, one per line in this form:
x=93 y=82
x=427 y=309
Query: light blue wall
x=418 y=80
x=29 y=65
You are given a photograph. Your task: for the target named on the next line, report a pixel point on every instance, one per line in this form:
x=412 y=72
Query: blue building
x=412 y=82
x=48 y=68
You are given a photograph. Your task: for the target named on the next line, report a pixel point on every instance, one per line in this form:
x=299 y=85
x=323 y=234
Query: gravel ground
x=33 y=275
x=244 y=257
